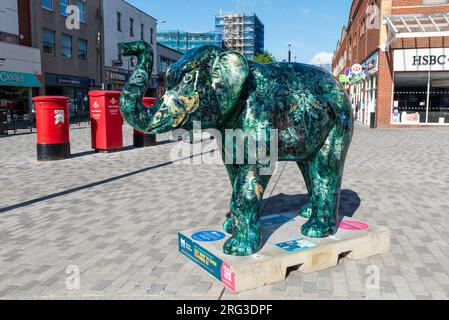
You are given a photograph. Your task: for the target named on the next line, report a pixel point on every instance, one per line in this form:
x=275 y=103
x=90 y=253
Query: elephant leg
x=246 y=203
x=304 y=166
x=232 y=173
x=327 y=171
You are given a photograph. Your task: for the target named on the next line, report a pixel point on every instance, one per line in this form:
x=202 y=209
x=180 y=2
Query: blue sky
x=311 y=26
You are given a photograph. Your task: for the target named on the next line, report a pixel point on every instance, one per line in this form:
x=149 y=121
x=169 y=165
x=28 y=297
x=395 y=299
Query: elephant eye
x=188 y=78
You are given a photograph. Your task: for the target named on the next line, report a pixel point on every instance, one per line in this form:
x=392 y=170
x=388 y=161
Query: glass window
x=47 y=4
x=82 y=49
x=119 y=22
x=63 y=4
x=48 y=42
x=151 y=35
x=82 y=7
x=66 y=46
x=131 y=27
x=421 y=97
x=439 y=98
x=142 y=34
x=433 y=2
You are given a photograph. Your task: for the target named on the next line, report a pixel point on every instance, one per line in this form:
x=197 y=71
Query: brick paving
x=115 y=218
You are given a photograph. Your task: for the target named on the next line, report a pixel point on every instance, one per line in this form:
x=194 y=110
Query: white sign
x=433 y=59
x=59 y=117
x=357 y=69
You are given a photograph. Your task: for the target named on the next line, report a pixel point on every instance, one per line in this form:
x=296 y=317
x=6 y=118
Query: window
x=48 y=42
x=82 y=7
x=142 y=28
x=151 y=35
x=66 y=46
x=433 y=2
x=119 y=22
x=119 y=55
x=131 y=27
x=47 y=4
x=82 y=49
x=63 y=4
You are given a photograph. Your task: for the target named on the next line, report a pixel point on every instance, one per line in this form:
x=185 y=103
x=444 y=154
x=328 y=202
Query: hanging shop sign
x=372 y=63
x=18 y=79
x=66 y=81
x=429 y=59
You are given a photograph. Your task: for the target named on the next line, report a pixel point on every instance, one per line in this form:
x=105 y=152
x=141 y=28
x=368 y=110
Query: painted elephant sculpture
x=223 y=90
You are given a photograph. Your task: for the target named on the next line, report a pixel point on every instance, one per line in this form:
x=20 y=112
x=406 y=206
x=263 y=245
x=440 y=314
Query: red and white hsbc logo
x=433 y=59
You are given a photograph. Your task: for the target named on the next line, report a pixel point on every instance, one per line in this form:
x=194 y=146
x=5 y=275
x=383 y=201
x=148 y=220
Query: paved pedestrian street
x=115 y=218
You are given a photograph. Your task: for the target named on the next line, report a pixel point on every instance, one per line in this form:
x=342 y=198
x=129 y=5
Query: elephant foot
x=227 y=226
x=319 y=228
x=306 y=211
x=241 y=246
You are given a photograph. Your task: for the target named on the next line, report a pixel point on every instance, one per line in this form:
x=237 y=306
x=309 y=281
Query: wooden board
x=284 y=247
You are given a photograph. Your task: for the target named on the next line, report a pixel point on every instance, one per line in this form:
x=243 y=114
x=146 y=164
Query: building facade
x=20 y=64
x=123 y=23
x=393 y=57
x=241 y=32
x=165 y=58
x=68 y=33
x=184 y=41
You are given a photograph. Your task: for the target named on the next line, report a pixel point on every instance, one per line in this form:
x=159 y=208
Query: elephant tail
x=131 y=105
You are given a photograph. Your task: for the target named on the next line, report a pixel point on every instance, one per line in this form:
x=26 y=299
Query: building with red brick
x=393 y=58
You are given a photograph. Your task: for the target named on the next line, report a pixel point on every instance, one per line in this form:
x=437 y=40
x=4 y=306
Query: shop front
x=116 y=80
x=421 y=87
x=75 y=88
x=16 y=92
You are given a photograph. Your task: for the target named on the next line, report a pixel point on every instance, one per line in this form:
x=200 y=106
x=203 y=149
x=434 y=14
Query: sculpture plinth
x=283 y=249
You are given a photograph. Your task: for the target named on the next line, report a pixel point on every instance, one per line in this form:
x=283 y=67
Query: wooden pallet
x=284 y=248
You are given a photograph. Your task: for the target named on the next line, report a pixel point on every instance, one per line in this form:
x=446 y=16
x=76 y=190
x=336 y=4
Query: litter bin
x=106 y=121
x=142 y=139
x=52 y=125
x=3 y=121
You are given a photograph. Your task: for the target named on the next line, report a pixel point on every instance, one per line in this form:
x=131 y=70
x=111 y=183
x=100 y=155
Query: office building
x=183 y=41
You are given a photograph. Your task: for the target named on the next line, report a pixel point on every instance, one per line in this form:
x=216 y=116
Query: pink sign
x=227 y=276
x=353 y=225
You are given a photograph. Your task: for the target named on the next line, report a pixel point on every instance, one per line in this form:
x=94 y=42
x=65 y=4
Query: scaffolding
x=241 y=32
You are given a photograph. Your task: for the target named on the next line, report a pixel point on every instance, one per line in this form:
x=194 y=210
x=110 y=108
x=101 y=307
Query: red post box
x=52 y=124
x=142 y=139
x=106 y=121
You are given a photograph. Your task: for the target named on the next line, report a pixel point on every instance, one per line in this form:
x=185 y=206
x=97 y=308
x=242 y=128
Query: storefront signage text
x=429 y=60
x=11 y=76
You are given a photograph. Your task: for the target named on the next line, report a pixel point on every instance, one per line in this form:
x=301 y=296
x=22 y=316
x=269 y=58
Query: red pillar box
x=52 y=124
x=142 y=139
x=106 y=121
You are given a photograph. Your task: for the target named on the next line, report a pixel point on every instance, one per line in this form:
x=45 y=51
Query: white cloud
x=322 y=58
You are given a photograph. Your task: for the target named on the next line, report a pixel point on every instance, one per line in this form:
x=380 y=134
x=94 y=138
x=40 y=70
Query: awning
x=416 y=26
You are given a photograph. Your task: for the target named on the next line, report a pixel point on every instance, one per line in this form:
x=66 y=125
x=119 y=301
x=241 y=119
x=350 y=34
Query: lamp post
x=289 y=52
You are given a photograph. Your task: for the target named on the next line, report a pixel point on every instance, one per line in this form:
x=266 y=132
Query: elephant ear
x=229 y=73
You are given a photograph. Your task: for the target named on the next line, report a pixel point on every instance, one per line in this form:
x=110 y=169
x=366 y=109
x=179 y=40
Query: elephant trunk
x=131 y=104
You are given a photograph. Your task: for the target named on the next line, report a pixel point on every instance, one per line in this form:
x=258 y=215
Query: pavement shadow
x=282 y=203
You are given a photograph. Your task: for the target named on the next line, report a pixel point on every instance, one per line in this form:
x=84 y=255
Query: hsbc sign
x=433 y=59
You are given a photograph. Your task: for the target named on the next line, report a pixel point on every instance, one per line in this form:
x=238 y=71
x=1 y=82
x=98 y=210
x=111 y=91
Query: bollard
x=142 y=139
x=106 y=121
x=52 y=124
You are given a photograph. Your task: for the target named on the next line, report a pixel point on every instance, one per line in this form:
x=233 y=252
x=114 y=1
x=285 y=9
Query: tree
x=264 y=57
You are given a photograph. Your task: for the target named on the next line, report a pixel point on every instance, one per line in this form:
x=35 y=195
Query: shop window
x=47 y=4
x=66 y=46
x=48 y=42
x=82 y=49
x=421 y=98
